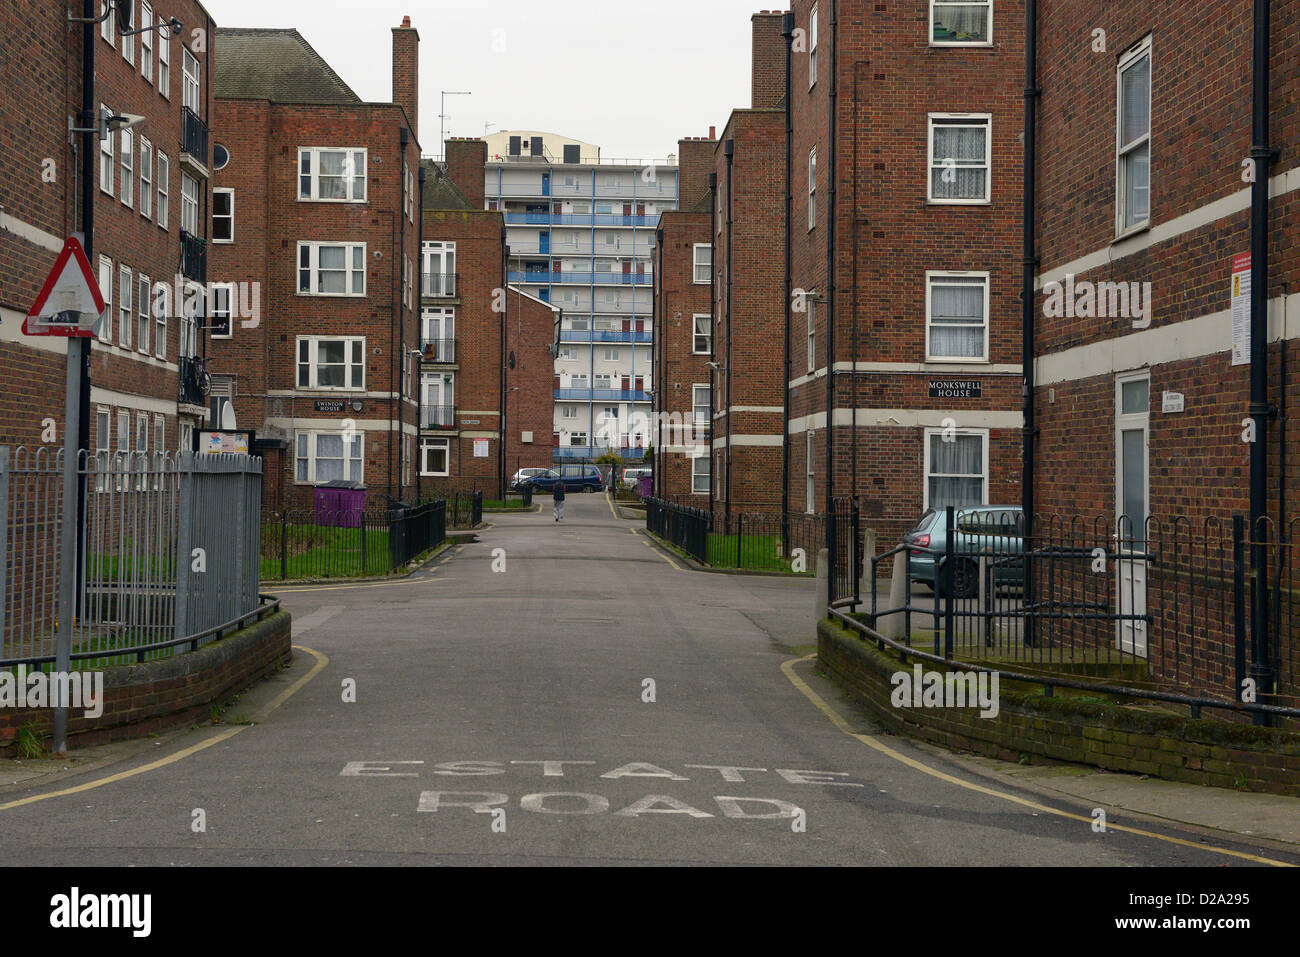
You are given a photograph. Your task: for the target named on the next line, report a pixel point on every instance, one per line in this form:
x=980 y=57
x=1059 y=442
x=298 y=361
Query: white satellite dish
x=227 y=415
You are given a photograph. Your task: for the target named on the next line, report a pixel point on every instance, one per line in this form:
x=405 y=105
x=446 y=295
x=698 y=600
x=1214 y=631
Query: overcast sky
x=630 y=77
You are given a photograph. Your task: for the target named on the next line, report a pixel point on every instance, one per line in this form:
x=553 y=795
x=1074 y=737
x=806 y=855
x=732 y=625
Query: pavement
x=569 y=693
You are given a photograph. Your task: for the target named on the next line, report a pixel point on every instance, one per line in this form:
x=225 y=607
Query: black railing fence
x=681 y=525
x=1164 y=604
x=310 y=543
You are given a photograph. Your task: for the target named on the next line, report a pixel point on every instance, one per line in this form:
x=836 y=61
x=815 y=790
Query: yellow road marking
x=875 y=743
x=226 y=734
x=414 y=579
x=650 y=545
x=610 y=500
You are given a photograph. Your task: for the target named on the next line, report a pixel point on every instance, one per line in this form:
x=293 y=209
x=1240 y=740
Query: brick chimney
x=406 y=72
x=768 y=84
x=466 y=159
x=694 y=164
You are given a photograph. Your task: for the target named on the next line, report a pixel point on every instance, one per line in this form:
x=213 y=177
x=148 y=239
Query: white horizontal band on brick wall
x=911 y=419
x=1196 y=338
x=1229 y=205
x=805 y=379
x=737 y=441
x=33 y=234
x=335 y=425
x=478 y=435
x=933 y=368
x=124 y=400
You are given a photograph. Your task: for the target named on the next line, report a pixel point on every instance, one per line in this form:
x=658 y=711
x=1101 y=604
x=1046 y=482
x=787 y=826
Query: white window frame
x=128 y=39
x=696 y=404
x=146 y=41
x=103 y=443
x=357 y=177
x=107 y=158
x=925 y=475
x=126 y=156
x=106 y=286
x=812 y=189
x=122 y=457
x=191 y=81
x=190 y=206
x=161 y=176
x=184 y=435
x=568 y=411
x=313 y=377
x=160 y=306
x=980 y=120
x=146 y=175
x=144 y=321
x=1129 y=59
x=312 y=435
x=696 y=263
x=612 y=355
x=812 y=47
x=696 y=476
x=217 y=292
x=938 y=275
x=962 y=43
x=425 y=446
x=810 y=469
x=164 y=58
x=313 y=269
x=108 y=25
x=231 y=215
x=696 y=334
x=125 y=310
x=140 y=454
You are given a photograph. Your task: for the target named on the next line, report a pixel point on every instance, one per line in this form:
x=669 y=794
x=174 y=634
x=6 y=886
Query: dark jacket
x=558 y=494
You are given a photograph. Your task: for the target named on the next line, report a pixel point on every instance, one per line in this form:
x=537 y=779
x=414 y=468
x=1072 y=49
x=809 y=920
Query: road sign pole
x=68 y=546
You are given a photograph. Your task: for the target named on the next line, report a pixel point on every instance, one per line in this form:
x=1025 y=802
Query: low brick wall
x=142 y=698
x=1194 y=750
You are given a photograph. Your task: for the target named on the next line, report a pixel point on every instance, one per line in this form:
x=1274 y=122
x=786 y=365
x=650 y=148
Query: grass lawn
x=319 y=551
x=515 y=504
x=756 y=552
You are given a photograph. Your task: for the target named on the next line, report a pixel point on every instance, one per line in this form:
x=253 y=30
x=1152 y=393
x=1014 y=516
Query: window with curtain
x=959 y=158
x=1133 y=146
x=329 y=456
x=960 y=23
x=955 y=469
x=957 y=316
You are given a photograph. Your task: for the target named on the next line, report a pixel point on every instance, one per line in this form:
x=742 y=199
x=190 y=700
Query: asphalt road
x=559 y=693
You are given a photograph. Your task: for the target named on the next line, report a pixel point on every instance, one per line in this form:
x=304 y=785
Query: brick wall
x=465 y=161
x=530 y=333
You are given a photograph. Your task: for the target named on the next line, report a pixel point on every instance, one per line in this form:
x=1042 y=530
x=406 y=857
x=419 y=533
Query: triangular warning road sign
x=70 y=290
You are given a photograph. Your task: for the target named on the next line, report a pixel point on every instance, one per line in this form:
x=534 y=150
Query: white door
x=1132 y=435
x=439 y=334
x=438 y=403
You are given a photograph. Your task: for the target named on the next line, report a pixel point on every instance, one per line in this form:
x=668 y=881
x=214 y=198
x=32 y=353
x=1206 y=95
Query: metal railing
x=194 y=135
x=438 y=350
x=314 y=543
x=167 y=548
x=1121 y=608
x=194 y=257
x=439 y=285
x=584 y=335
x=602 y=395
x=685 y=527
x=193 y=380
x=437 y=416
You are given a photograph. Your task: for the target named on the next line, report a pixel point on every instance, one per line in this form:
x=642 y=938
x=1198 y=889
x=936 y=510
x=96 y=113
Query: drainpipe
x=1260 y=408
x=403 y=358
x=1028 y=302
x=419 y=299
x=831 y=211
x=656 y=359
x=787 y=31
x=89 y=152
x=501 y=419
x=713 y=323
x=728 y=150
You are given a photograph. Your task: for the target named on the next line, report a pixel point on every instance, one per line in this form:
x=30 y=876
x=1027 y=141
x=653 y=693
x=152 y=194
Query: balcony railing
x=194 y=257
x=437 y=416
x=194 y=135
x=603 y=395
x=439 y=285
x=601 y=335
x=438 y=350
x=595 y=451
x=194 y=381
x=586 y=278
x=577 y=219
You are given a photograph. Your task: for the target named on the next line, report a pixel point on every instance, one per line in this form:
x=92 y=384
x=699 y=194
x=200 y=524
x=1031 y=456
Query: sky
x=630 y=77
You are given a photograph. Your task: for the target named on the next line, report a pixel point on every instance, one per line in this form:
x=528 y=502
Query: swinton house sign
x=956 y=389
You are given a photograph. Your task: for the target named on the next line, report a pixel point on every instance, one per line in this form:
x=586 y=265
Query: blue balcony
x=603 y=395
x=585 y=278
x=571 y=219
x=584 y=335
x=595 y=451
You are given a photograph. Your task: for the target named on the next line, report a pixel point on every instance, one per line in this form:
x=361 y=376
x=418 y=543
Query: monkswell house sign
x=956 y=388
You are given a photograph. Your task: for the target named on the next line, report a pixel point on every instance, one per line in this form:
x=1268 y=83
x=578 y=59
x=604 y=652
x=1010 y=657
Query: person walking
x=559 y=501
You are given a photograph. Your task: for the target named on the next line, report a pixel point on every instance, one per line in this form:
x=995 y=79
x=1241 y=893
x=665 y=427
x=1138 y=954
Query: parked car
x=994 y=530
x=584 y=478
x=517 y=483
x=630 y=476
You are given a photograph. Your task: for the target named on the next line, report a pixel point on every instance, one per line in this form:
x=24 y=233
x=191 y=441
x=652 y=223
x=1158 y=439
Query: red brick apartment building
x=150 y=201
x=487 y=348
x=905 y=229
x=683 y=332
x=1167 y=297
x=316 y=205
x=748 y=232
